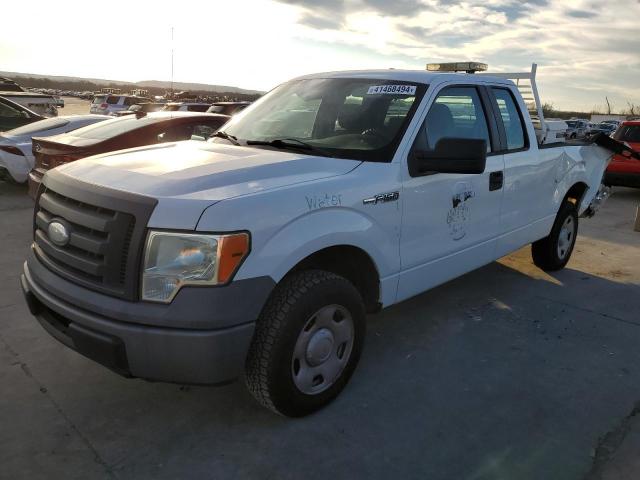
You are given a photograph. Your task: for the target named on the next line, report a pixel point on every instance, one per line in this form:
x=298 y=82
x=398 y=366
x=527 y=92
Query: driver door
x=450 y=222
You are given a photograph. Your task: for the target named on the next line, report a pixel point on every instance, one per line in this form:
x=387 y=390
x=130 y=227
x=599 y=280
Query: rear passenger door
x=527 y=186
x=450 y=222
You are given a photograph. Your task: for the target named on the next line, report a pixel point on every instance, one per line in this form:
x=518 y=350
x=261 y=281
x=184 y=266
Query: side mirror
x=451 y=155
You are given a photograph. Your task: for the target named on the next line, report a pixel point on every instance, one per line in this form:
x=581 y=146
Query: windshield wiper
x=226 y=136
x=290 y=143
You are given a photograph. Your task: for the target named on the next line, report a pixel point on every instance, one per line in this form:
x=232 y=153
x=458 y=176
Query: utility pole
x=172 y=63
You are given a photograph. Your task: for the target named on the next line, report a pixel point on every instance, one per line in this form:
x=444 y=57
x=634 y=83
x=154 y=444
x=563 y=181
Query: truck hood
x=187 y=177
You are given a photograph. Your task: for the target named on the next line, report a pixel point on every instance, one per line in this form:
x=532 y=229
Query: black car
x=141 y=108
x=228 y=108
x=14 y=115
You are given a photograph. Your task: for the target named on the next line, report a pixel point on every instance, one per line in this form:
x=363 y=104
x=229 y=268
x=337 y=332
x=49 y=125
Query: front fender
x=321 y=229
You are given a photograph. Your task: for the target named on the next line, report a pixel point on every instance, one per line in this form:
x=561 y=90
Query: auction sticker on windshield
x=392 y=90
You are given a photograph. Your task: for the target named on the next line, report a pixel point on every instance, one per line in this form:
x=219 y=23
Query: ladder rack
x=526 y=83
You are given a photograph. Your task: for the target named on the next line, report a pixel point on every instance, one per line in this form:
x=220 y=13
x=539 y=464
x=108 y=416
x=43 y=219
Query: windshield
x=36 y=127
x=99 y=99
x=572 y=124
x=628 y=133
x=361 y=119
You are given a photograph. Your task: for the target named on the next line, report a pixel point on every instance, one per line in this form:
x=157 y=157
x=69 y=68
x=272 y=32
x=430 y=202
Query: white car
x=110 y=104
x=262 y=250
x=45 y=105
x=16 y=156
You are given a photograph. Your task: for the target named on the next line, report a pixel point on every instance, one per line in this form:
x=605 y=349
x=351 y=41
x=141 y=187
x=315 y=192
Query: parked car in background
x=117 y=134
x=625 y=171
x=42 y=104
x=186 y=107
x=557 y=130
x=16 y=155
x=615 y=123
x=141 y=108
x=14 y=115
x=228 y=108
x=606 y=128
x=8 y=85
x=110 y=104
x=577 y=128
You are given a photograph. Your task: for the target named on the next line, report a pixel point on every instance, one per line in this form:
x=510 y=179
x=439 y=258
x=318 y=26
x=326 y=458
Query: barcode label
x=392 y=90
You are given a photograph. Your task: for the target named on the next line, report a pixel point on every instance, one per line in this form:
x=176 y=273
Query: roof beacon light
x=468 y=67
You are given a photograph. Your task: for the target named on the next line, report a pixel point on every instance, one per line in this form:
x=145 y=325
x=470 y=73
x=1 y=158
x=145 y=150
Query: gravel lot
x=504 y=373
x=74 y=106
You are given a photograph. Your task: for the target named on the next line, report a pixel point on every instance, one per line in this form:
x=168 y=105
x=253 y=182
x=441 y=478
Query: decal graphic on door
x=460 y=211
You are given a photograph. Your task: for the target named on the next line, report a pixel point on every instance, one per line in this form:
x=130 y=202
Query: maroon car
x=117 y=134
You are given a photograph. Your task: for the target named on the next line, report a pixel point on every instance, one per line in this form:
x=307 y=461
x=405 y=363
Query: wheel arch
x=350 y=262
x=576 y=193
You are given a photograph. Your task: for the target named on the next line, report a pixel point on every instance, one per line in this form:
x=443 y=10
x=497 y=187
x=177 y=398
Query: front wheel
x=307 y=343
x=553 y=252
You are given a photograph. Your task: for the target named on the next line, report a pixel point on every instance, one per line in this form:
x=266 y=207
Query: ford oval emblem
x=58 y=233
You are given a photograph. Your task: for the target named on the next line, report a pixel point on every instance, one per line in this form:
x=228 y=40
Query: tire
x=554 y=251
x=307 y=317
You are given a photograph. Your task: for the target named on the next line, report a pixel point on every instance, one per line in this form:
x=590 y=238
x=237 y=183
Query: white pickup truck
x=261 y=251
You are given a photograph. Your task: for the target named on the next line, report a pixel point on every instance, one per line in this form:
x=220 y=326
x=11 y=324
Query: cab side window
x=456 y=113
x=511 y=118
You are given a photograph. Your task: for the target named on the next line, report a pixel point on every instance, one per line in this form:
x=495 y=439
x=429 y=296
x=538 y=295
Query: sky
x=585 y=50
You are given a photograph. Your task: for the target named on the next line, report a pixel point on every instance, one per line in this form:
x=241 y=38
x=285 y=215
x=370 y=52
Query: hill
x=81 y=84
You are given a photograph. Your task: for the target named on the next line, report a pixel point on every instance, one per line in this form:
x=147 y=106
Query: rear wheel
x=554 y=251
x=307 y=343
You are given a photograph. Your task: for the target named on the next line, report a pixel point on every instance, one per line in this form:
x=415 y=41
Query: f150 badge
x=382 y=198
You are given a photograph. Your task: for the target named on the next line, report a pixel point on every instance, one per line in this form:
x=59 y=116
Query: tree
x=548 y=110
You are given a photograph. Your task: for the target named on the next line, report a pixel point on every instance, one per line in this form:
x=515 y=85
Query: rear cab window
x=510 y=117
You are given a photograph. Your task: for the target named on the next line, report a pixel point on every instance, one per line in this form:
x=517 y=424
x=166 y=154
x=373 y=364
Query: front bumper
x=100 y=328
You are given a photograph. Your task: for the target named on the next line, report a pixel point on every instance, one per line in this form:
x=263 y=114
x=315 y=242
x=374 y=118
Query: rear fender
x=583 y=164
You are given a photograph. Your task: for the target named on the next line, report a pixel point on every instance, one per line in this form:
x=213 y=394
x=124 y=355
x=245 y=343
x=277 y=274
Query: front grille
x=105 y=236
x=99 y=239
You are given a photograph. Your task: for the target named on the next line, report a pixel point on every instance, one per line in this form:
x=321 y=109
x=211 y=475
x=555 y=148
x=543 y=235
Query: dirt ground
x=74 y=106
x=504 y=373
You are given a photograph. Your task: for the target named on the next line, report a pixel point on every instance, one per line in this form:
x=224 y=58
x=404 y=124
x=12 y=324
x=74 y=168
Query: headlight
x=172 y=260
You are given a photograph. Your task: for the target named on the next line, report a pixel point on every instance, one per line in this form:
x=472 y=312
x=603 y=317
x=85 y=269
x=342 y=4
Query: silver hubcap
x=566 y=238
x=322 y=349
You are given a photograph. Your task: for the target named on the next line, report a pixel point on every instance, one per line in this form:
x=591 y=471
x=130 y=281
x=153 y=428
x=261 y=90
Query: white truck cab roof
x=420 y=76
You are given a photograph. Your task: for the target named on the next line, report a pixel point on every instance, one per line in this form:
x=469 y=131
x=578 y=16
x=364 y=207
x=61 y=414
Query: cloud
x=584 y=52
x=581 y=14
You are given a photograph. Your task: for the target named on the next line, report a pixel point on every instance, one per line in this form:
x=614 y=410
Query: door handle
x=496 y=179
